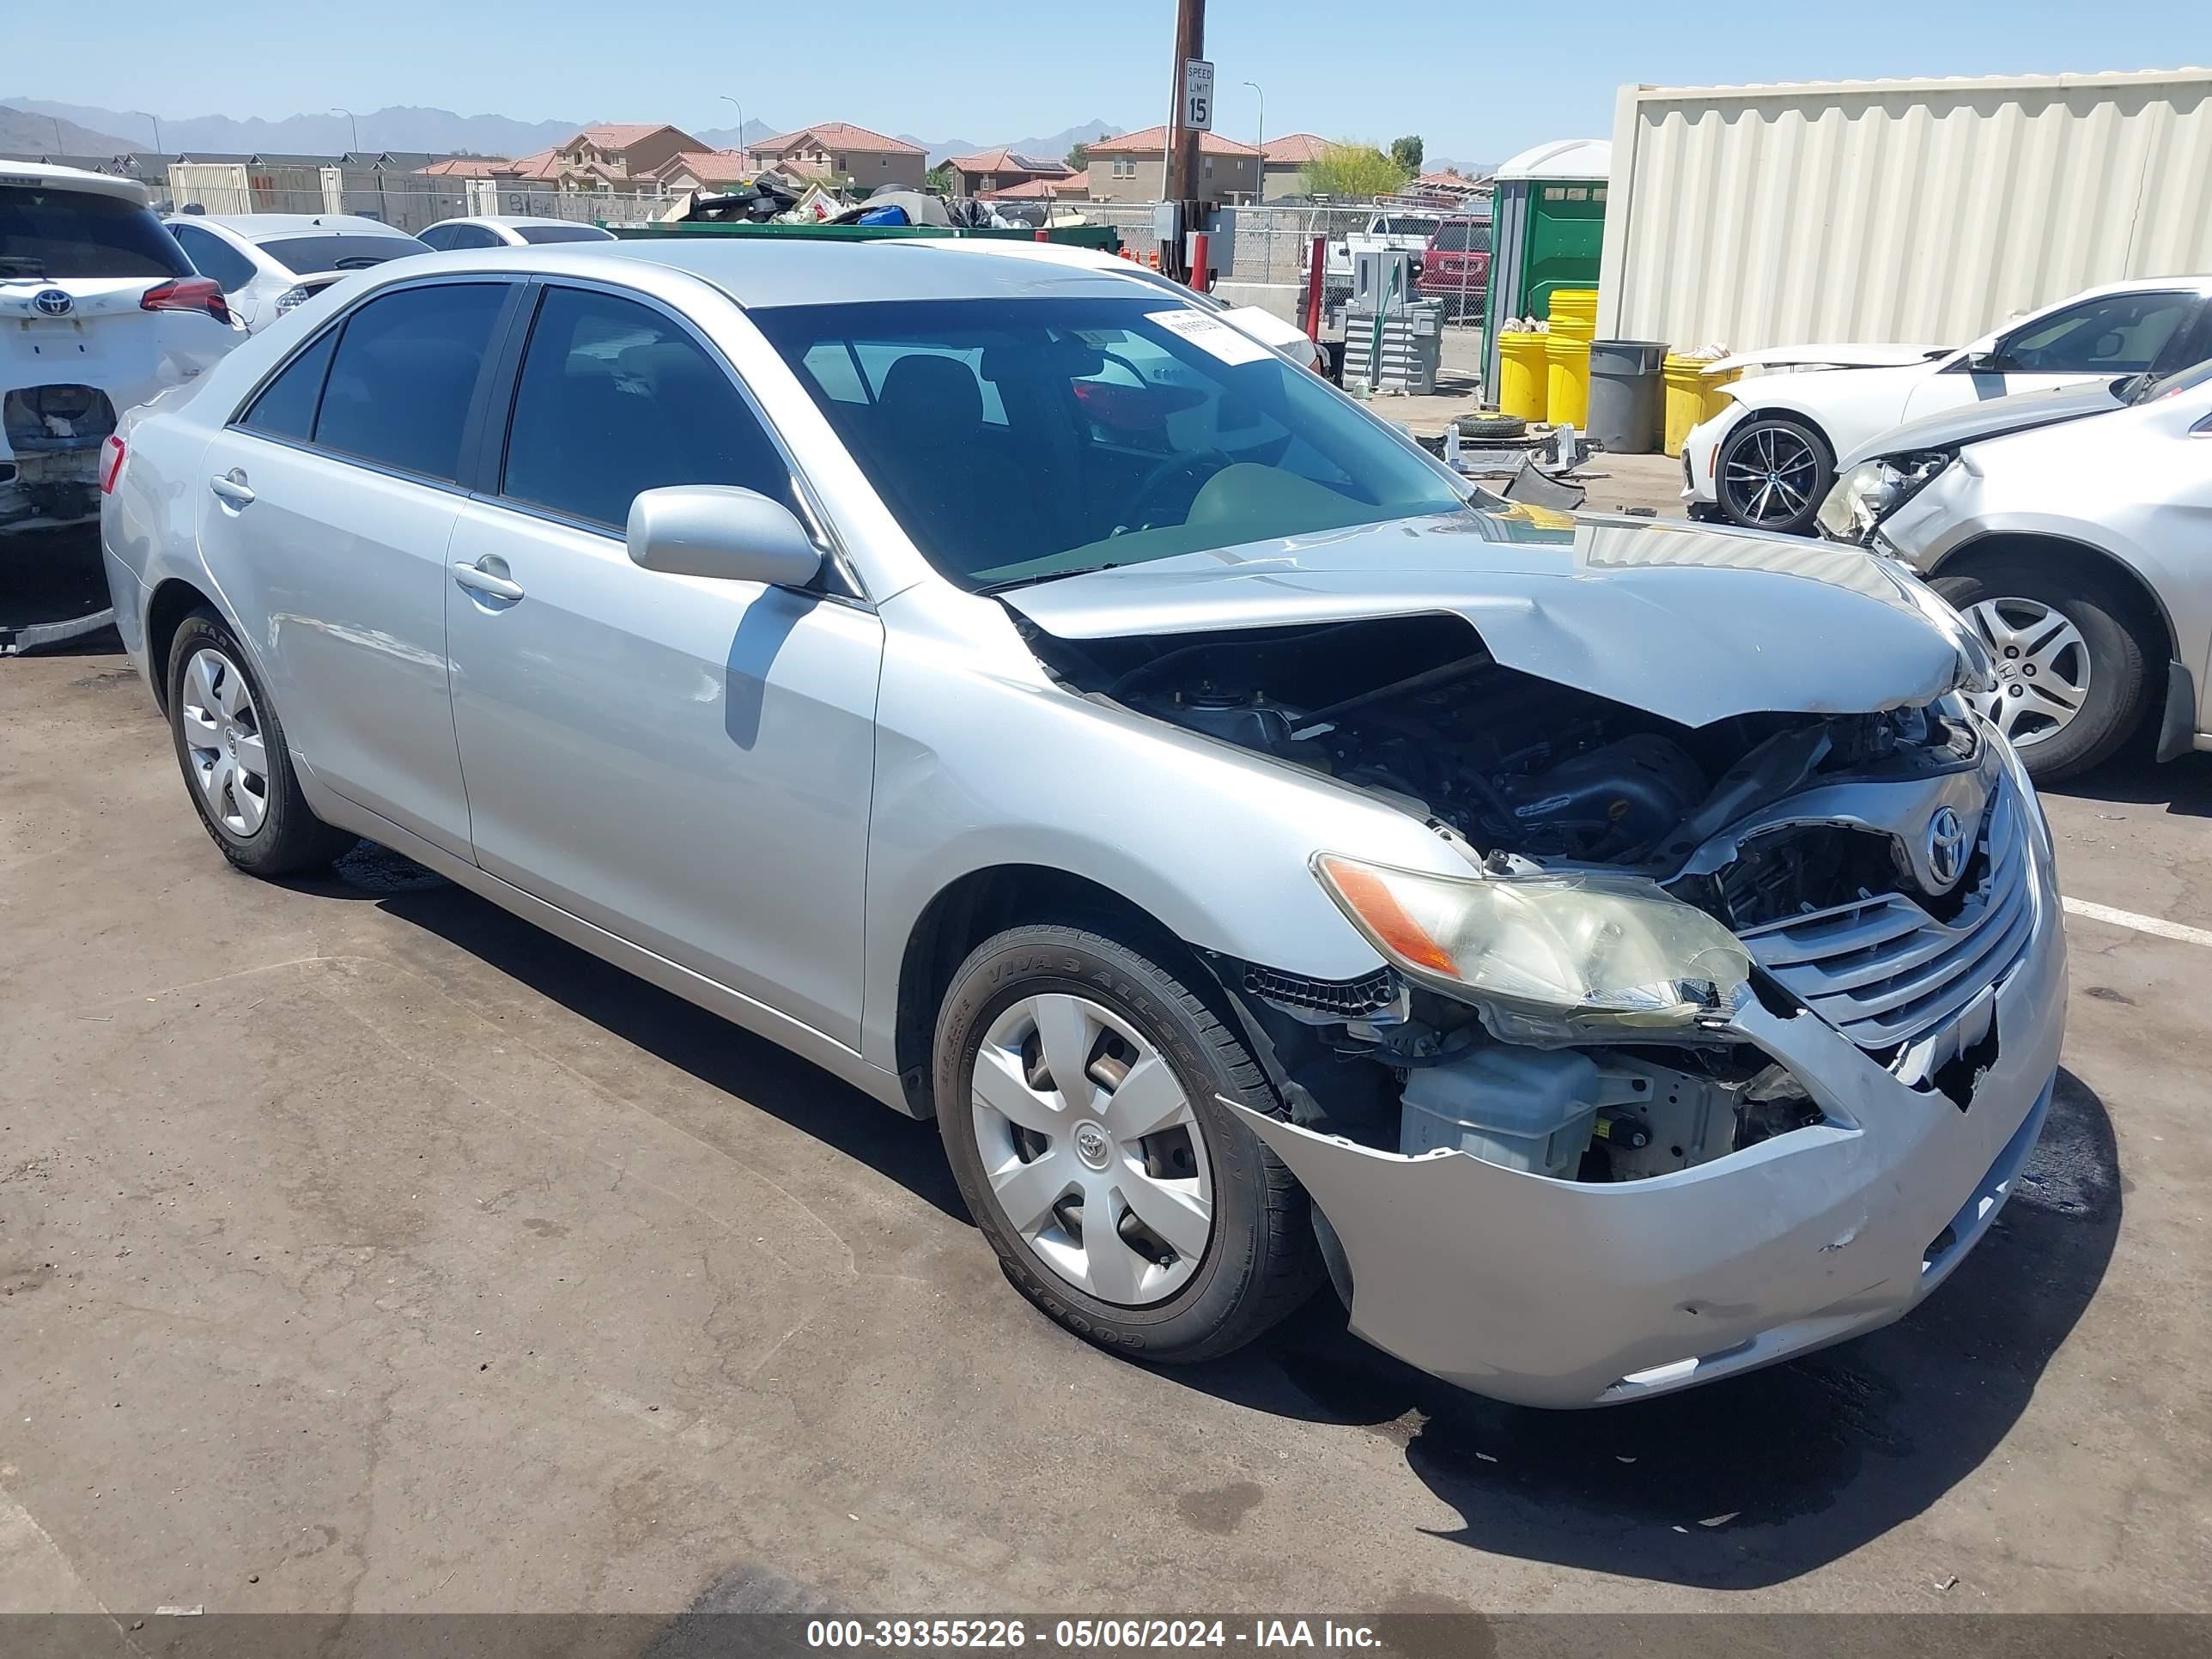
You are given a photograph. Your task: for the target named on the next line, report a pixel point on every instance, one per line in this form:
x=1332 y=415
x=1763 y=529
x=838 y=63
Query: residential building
x=840 y=151
x=614 y=157
x=1133 y=167
x=1285 y=163
x=996 y=170
x=1075 y=188
x=703 y=169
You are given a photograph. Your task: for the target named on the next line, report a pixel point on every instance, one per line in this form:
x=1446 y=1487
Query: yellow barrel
x=1714 y=402
x=1566 y=397
x=1574 y=311
x=1685 y=380
x=1521 y=376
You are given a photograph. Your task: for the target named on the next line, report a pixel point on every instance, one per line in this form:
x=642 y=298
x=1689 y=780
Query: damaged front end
x=1726 y=1046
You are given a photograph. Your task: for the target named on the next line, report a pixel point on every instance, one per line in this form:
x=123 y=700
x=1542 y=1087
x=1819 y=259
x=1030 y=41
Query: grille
x=1350 y=998
x=1882 y=970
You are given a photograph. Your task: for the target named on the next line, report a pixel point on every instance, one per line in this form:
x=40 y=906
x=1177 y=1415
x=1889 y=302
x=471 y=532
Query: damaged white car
x=1616 y=954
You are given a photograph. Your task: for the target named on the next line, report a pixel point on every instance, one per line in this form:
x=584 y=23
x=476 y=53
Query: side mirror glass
x=722 y=531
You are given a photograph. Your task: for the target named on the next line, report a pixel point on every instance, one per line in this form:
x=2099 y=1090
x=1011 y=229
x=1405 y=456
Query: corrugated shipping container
x=1907 y=210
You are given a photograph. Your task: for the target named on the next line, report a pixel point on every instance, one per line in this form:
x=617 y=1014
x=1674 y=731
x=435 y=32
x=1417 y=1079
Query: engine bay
x=1529 y=775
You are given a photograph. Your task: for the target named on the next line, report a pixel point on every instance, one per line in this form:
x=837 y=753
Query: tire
x=2013 y=601
x=1493 y=426
x=1258 y=1260
x=221 y=722
x=1785 y=470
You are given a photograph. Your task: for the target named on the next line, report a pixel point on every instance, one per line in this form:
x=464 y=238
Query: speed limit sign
x=1197 y=94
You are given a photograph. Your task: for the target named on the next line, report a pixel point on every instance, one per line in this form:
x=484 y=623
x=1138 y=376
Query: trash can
x=1693 y=396
x=1626 y=413
x=1566 y=379
x=1521 y=376
x=1574 y=311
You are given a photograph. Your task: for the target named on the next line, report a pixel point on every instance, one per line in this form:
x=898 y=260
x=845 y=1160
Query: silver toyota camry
x=1615 y=954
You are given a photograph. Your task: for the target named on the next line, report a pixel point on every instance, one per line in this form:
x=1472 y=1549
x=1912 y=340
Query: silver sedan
x=1615 y=955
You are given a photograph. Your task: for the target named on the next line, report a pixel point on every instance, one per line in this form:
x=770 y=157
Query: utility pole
x=1181 y=183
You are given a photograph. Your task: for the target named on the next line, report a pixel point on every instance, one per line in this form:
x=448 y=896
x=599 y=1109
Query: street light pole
x=1261 y=140
x=741 y=109
x=156 y=120
x=336 y=110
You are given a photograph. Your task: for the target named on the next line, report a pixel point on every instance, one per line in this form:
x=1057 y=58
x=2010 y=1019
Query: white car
x=99 y=311
x=269 y=263
x=508 y=230
x=2069 y=528
x=1769 y=458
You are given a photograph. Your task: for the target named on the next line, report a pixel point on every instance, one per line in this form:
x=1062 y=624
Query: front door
x=2106 y=336
x=684 y=763
x=334 y=495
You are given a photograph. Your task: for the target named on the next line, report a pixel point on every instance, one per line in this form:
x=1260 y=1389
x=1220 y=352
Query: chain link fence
x=406 y=201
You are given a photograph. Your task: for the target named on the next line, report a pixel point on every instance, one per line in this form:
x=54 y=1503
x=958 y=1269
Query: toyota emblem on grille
x=1947 y=848
x=53 y=302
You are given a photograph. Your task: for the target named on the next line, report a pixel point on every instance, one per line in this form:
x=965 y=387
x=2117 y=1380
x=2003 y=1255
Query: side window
x=404 y=372
x=286 y=407
x=2115 y=334
x=473 y=236
x=213 y=257
x=440 y=238
x=615 y=398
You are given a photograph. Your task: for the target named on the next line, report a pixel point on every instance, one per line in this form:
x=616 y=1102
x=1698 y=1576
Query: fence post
x=1315 y=271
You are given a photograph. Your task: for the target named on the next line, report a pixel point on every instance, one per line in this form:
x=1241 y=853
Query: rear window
x=301 y=254
x=61 y=234
x=1463 y=237
x=564 y=233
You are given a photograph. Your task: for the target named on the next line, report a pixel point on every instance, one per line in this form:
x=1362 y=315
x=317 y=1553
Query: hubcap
x=2043 y=668
x=1091 y=1149
x=1769 y=476
x=223 y=739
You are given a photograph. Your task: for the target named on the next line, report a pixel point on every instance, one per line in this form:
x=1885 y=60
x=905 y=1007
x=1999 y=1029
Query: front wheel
x=1773 y=472
x=1075 y=1083
x=2075 y=670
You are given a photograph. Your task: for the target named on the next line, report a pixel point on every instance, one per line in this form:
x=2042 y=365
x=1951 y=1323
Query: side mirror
x=722 y=531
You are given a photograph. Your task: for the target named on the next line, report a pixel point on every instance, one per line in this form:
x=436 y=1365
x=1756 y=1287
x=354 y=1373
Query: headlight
x=293 y=296
x=1873 y=489
x=1570 y=954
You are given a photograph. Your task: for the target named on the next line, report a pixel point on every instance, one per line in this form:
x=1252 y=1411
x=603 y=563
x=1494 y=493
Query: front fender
x=982 y=762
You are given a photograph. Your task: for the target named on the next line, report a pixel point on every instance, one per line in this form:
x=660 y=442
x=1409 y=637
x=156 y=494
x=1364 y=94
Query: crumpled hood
x=1973 y=422
x=1692 y=623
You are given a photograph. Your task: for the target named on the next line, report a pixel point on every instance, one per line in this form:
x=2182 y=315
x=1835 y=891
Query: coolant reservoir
x=1525 y=1109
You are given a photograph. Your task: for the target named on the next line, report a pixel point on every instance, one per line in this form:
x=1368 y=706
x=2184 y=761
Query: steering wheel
x=1174 y=466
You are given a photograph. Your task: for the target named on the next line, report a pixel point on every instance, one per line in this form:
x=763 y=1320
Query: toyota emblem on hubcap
x=1947 y=848
x=1090 y=1145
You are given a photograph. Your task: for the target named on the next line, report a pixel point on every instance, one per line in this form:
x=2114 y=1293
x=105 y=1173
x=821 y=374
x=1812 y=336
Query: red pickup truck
x=1456 y=267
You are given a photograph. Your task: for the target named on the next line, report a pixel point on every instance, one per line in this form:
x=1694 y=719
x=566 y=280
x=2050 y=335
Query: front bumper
x=1563 y=1294
x=1700 y=449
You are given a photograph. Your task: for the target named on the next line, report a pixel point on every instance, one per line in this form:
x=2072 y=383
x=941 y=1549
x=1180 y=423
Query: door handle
x=231 y=486
x=477 y=579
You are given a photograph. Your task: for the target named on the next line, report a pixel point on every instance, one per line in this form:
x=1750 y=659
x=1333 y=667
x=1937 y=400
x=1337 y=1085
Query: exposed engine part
x=1367 y=998
x=1592 y=1115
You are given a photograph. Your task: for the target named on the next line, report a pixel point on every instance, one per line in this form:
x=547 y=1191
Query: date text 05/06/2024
x=1082 y=1634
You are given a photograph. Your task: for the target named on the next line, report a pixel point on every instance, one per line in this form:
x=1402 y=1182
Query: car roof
x=47 y=175
x=765 y=271
x=268 y=227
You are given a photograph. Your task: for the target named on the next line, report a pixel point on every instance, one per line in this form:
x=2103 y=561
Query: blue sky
x=1477 y=81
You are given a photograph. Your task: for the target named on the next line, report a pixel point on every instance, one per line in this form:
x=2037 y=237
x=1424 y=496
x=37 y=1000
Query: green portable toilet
x=1547 y=230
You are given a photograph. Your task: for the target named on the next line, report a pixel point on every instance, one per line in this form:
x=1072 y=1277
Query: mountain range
x=27 y=124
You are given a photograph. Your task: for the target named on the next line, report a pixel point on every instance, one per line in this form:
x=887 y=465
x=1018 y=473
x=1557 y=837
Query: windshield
x=539 y=234
x=2144 y=388
x=301 y=254
x=1019 y=440
x=56 y=234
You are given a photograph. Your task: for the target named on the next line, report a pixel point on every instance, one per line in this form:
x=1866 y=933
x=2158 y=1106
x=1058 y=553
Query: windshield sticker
x=1211 y=335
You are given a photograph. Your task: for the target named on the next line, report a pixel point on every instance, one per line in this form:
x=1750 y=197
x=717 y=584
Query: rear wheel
x=1075 y=1085
x=1774 y=470
x=2076 y=658
x=232 y=752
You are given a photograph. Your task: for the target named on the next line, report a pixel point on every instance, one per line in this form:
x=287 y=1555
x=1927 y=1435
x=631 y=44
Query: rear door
x=326 y=510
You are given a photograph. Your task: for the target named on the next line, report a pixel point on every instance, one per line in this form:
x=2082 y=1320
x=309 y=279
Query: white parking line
x=2157 y=925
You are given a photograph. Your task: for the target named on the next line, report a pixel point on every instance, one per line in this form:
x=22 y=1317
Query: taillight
x=188 y=293
x=110 y=465
x=292 y=297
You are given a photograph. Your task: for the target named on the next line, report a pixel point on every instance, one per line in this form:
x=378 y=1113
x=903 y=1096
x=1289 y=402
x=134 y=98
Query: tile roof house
x=992 y=171
x=838 y=150
x=1286 y=162
x=1133 y=167
x=617 y=156
x=703 y=169
x=1073 y=188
